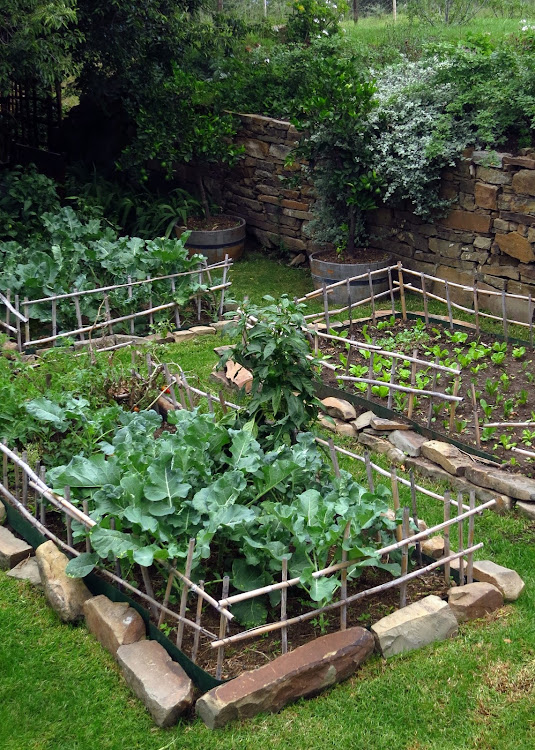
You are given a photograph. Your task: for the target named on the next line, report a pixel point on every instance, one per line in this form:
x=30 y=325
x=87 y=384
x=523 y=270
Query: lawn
x=60 y=691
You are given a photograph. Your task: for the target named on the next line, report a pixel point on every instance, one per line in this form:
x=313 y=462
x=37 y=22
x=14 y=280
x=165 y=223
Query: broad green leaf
x=247 y=577
x=245 y=451
x=145 y=520
x=322 y=589
x=110 y=541
x=309 y=504
x=86 y=472
x=165 y=484
x=250 y=613
x=45 y=410
x=80 y=566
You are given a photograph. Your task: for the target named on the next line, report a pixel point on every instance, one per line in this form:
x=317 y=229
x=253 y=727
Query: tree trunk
x=356 y=9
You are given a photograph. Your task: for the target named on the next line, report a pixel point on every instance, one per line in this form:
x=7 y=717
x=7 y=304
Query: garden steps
x=300 y=673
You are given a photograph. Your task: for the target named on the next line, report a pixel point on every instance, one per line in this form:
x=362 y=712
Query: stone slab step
x=513 y=485
x=160 y=683
x=303 y=672
x=415 y=626
x=12 y=549
x=27 y=570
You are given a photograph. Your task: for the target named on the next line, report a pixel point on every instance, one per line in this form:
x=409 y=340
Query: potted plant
x=338 y=152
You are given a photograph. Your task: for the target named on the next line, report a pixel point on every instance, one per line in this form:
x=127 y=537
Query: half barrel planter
x=329 y=273
x=214 y=244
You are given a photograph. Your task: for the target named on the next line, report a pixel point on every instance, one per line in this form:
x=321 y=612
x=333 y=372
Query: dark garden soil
x=503 y=375
x=360 y=255
x=212 y=223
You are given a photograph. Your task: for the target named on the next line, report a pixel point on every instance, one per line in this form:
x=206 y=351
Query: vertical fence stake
x=54 y=317
x=433 y=388
x=108 y=313
x=504 y=315
x=530 y=319
x=85 y=508
x=334 y=457
x=460 y=530
x=199 y=298
x=424 y=294
x=372 y=298
x=370 y=374
x=447 y=511
x=222 y=630
x=78 y=314
x=404 y=559
x=448 y=302
x=17 y=324
x=453 y=405
x=392 y=379
x=470 y=556
x=284 y=600
x=24 y=457
x=391 y=290
x=402 y=291
x=369 y=471
x=184 y=594
x=130 y=296
x=149 y=590
x=415 y=516
x=395 y=498
x=26 y=313
x=68 y=520
x=349 y=308
x=476 y=416
x=410 y=406
x=326 y=306
x=198 y=615
x=476 y=306
x=42 y=505
x=343 y=581
x=222 y=301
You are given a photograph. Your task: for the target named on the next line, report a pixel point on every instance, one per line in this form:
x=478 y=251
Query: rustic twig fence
x=21 y=324
x=26 y=490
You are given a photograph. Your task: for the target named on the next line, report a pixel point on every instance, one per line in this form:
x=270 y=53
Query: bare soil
x=361 y=255
x=212 y=223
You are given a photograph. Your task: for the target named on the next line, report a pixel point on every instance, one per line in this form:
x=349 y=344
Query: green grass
x=60 y=691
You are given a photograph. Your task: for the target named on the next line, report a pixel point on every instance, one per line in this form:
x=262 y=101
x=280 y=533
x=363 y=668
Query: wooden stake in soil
x=25 y=312
x=130 y=295
x=447 y=511
x=54 y=318
x=326 y=306
x=460 y=530
x=42 y=505
x=415 y=516
x=470 y=555
x=222 y=301
x=448 y=302
x=108 y=313
x=151 y=318
x=410 y=407
x=392 y=378
x=24 y=457
x=370 y=374
x=402 y=291
x=395 y=498
x=433 y=388
x=530 y=319
x=198 y=615
x=199 y=298
x=184 y=595
x=453 y=404
x=334 y=457
x=476 y=306
x=476 y=415
x=79 y=315
x=370 y=282
x=85 y=508
x=284 y=600
x=149 y=590
x=350 y=309
x=424 y=293
x=504 y=315
x=222 y=631
x=404 y=559
x=17 y=324
x=391 y=291
x=343 y=582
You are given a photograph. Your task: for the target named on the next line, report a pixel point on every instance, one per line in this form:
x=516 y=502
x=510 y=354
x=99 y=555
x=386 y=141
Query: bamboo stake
x=184 y=594
x=261 y=630
x=456 y=386
x=343 y=581
x=418 y=546
x=284 y=614
x=130 y=297
x=326 y=306
x=54 y=318
x=170 y=385
x=197 y=634
x=117 y=564
x=222 y=402
x=108 y=313
x=471 y=523
x=4 y=467
x=85 y=507
x=447 y=510
x=476 y=307
x=434 y=387
x=370 y=376
x=460 y=534
x=334 y=457
x=391 y=382
x=523 y=452
x=369 y=471
x=410 y=406
x=504 y=315
x=476 y=415
x=200 y=592
x=426 y=311
x=42 y=507
x=395 y=500
x=404 y=559
x=509 y=424
x=349 y=307
x=402 y=291
x=24 y=457
x=148 y=588
x=167 y=593
x=391 y=291
x=448 y=302
x=82 y=331
x=187 y=389
x=370 y=282
x=222 y=301
x=26 y=308
x=17 y=323
x=530 y=319
x=10 y=309
x=222 y=631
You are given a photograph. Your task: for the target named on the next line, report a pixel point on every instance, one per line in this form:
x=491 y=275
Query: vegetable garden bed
x=469 y=385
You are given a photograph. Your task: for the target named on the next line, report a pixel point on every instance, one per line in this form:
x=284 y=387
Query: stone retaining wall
x=489 y=232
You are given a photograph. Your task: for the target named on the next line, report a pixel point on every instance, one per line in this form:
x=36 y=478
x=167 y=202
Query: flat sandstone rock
x=303 y=672
x=339 y=408
x=506 y=580
x=159 y=682
x=12 y=549
x=113 y=624
x=474 y=600
x=27 y=570
x=415 y=626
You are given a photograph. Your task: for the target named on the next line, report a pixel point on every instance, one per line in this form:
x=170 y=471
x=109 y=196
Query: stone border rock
x=434 y=459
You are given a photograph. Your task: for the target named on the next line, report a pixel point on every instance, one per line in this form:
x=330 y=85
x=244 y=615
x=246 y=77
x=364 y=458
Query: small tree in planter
x=339 y=154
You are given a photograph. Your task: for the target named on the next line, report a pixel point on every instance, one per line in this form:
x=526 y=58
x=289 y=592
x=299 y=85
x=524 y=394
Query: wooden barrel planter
x=329 y=272
x=214 y=244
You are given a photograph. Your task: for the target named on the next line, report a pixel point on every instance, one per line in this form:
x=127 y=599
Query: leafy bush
x=312 y=19
x=25 y=195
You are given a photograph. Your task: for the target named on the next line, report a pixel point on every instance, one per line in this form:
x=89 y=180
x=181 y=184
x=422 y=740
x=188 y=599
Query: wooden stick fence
x=105 y=312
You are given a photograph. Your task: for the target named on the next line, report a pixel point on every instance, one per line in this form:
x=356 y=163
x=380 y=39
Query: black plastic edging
x=97 y=585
